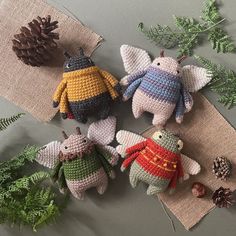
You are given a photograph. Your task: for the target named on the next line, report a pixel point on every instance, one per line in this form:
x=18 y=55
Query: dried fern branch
x=223 y=82
x=189 y=32
x=5 y=122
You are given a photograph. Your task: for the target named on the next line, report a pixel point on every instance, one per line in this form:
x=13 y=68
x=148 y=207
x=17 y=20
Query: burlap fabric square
x=206 y=135
x=31 y=88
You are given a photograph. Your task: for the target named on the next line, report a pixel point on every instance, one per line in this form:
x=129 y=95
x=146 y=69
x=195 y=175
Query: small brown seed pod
x=198 y=190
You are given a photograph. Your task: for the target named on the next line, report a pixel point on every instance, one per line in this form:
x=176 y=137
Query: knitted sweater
x=157 y=161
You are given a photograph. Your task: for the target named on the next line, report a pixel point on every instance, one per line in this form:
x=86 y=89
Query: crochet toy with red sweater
x=155 y=161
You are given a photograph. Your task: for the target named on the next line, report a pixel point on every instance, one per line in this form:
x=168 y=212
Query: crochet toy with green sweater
x=82 y=162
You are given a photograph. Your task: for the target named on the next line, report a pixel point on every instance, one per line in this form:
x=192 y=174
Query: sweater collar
x=85 y=71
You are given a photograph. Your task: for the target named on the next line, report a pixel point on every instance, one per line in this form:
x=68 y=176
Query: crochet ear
x=194 y=78
x=103 y=131
x=190 y=166
x=127 y=139
x=134 y=59
x=48 y=156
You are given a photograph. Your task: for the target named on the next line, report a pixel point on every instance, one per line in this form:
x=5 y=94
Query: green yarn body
x=82 y=167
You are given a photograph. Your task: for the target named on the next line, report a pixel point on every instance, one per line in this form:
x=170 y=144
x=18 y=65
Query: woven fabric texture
x=28 y=87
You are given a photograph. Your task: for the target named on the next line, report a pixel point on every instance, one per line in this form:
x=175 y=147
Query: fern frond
x=223 y=81
x=210 y=13
x=160 y=35
x=5 y=122
x=221 y=41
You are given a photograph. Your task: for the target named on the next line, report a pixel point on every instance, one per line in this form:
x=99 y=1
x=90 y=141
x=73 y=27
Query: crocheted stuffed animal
x=81 y=162
x=160 y=87
x=85 y=89
x=156 y=161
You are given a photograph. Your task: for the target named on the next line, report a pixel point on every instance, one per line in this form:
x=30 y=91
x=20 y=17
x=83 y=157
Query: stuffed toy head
x=77 y=62
x=81 y=162
x=156 y=161
x=161 y=87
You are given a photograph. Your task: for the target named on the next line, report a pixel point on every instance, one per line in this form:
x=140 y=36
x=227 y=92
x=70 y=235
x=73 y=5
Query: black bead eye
x=160 y=136
x=68 y=65
x=84 y=141
x=65 y=147
x=158 y=63
x=178 y=71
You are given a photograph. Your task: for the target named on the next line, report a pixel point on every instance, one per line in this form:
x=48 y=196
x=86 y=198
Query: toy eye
x=178 y=71
x=68 y=65
x=180 y=144
x=66 y=147
x=84 y=141
x=158 y=63
x=157 y=135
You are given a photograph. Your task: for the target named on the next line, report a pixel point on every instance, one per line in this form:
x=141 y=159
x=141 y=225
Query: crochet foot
x=79 y=195
x=159 y=121
x=103 y=114
x=133 y=180
x=137 y=111
x=55 y=104
x=112 y=174
x=152 y=190
x=102 y=188
x=64 y=116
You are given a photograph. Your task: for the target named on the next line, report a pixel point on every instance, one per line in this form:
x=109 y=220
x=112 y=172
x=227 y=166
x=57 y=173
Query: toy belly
x=90 y=105
x=156 y=166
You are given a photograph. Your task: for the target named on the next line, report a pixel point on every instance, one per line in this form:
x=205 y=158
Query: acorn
x=198 y=190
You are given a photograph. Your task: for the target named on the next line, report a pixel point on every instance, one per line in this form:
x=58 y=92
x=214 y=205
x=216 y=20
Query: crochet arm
x=127 y=162
x=137 y=75
x=58 y=93
x=136 y=148
x=105 y=155
x=112 y=84
x=129 y=92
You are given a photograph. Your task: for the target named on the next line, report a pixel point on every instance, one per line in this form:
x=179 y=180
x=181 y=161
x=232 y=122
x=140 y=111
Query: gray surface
x=122 y=210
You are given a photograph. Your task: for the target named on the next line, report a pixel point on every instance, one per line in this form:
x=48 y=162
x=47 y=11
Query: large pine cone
x=35 y=45
x=223 y=197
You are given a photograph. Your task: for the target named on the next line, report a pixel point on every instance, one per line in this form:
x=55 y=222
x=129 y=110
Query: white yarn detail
x=49 y=154
x=134 y=59
x=194 y=78
x=189 y=165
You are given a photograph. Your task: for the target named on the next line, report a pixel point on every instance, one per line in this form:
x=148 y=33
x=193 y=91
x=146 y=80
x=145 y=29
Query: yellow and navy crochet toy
x=85 y=89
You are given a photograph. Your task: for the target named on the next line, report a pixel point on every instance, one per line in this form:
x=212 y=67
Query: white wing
x=103 y=131
x=194 y=78
x=48 y=156
x=127 y=139
x=114 y=153
x=134 y=59
x=190 y=166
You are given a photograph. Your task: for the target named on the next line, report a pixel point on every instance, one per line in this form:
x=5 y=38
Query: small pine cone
x=221 y=168
x=223 y=197
x=34 y=45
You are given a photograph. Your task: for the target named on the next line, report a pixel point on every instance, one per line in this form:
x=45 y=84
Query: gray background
x=122 y=210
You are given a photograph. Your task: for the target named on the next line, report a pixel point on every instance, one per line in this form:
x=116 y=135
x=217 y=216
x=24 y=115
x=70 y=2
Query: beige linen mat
x=31 y=88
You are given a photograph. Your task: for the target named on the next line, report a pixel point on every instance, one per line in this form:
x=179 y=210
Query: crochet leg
x=133 y=178
x=137 y=110
x=78 y=194
x=104 y=113
x=101 y=188
x=159 y=120
x=152 y=190
x=64 y=109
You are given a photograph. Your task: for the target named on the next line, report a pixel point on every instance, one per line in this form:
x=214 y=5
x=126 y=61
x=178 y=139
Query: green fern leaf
x=5 y=122
x=163 y=36
x=210 y=13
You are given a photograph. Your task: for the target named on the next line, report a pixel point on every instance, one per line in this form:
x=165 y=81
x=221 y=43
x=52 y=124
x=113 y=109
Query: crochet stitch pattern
x=156 y=161
x=81 y=162
x=85 y=89
x=161 y=87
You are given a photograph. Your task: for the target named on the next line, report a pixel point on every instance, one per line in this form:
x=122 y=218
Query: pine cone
x=221 y=168
x=34 y=45
x=223 y=197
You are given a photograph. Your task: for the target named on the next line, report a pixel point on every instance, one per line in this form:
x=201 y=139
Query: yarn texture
x=85 y=90
x=161 y=87
x=82 y=162
x=156 y=161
